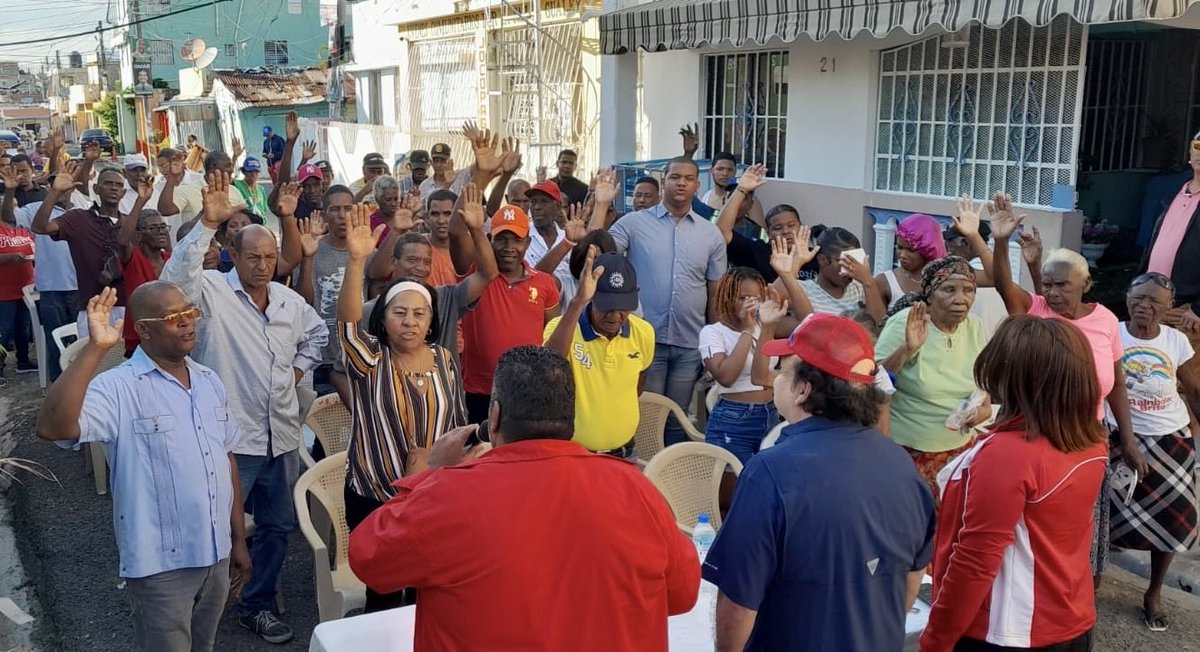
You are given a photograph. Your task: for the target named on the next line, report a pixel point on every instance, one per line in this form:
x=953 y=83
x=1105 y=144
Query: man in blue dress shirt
x=164 y=423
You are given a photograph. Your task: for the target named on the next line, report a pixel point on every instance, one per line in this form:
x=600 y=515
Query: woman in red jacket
x=1010 y=565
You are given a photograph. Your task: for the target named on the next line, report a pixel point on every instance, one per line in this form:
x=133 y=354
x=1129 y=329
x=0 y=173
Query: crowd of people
x=490 y=337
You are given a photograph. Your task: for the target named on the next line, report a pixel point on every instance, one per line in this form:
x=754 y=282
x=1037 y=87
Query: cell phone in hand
x=857 y=254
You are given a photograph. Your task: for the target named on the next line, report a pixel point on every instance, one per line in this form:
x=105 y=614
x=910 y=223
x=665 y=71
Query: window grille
x=162 y=52
x=746 y=107
x=1113 y=105
x=1000 y=113
x=443 y=87
x=275 y=53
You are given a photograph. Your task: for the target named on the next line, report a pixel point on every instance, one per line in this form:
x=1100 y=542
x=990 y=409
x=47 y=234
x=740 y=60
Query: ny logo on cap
x=616 y=279
x=509 y=216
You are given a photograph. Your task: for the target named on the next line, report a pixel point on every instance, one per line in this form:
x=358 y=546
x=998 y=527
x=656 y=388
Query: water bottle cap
x=703 y=518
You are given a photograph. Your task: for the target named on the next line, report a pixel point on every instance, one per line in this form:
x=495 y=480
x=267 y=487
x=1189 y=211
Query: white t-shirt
x=719 y=338
x=1155 y=407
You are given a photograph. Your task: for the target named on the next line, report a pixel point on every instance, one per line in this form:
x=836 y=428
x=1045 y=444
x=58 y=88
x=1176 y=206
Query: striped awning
x=686 y=24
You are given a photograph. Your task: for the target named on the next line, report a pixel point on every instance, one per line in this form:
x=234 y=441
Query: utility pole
x=103 y=63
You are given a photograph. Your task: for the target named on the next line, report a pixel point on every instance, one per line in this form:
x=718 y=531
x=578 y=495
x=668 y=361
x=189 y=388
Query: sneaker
x=267 y=625
x=26 y=367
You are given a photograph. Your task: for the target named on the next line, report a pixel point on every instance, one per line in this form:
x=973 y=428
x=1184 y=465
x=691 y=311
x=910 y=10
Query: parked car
x=9 y=139
x=98 y=136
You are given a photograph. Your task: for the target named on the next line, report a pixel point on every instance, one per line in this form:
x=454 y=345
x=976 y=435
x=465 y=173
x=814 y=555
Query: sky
x=25 y=20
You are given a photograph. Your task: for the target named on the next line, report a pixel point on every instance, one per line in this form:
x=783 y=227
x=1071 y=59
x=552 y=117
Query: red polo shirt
x=506 y=316
x=537 y=545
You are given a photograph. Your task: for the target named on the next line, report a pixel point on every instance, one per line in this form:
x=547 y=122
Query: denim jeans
x=15 y=331
x=673 y=374
x=55 y=308
x=740 y=427
x=267 y=484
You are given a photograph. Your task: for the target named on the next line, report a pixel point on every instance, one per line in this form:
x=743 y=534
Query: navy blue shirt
x=825 y=527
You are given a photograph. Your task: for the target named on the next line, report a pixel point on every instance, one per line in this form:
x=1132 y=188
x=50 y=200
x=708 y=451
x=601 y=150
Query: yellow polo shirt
x=606 y=380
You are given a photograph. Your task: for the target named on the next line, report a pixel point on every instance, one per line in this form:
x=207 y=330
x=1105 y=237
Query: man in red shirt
x=538 y=544
x=514 y=310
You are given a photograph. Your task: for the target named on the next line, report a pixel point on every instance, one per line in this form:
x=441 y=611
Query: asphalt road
x=65 y=539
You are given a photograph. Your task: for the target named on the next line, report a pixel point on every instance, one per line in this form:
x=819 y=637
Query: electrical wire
x=125 y=24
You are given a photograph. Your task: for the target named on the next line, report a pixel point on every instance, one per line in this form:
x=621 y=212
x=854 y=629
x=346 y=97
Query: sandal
x=1155 y=622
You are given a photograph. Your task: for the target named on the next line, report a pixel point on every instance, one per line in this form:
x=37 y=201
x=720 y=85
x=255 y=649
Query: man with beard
x=418 y=165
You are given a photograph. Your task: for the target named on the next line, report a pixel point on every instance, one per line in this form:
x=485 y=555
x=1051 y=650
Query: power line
x=100 y=30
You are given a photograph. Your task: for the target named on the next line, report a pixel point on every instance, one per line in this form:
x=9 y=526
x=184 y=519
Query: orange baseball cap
x=511 y=218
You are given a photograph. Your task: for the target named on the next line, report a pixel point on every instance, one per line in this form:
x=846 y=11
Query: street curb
x=1184 y=573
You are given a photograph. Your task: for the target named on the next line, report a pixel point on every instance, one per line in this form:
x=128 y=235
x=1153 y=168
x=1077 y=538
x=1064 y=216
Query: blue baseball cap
x=251 y=164
x=267 y=130
x=617 y=288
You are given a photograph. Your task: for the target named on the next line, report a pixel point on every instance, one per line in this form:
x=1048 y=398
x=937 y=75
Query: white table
x=392 y=631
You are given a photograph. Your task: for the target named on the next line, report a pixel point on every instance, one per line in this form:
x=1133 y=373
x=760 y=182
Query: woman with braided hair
x=929 y=344
x=744 y=411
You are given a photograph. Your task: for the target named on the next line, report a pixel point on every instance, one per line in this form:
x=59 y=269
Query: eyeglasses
x=156 y=227
x=1153 y=277
x=175 y=318
x=1196 y=144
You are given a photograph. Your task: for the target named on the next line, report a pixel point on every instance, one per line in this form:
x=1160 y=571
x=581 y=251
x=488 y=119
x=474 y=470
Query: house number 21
x=828 y=64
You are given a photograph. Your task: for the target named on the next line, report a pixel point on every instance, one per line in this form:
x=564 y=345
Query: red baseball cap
x=548 y=188
x=309 y=171
x=836 y=345
x=511 y=218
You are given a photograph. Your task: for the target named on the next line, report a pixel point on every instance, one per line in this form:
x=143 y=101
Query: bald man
x=261 y=338
x=177 y=502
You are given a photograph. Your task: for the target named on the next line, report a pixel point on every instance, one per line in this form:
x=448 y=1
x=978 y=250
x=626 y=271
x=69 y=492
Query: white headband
x=407 y=286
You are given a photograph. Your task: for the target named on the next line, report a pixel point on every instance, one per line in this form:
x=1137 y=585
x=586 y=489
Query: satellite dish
x=192 y=49
x=206 y=58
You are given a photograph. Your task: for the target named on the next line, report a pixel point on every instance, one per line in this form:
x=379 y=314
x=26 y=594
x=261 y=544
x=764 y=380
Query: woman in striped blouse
x=405 y=390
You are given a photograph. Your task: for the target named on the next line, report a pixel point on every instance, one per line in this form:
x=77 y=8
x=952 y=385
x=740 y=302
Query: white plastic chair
x=689 y=477
x=338 y=589
x=31 y=296
x=331 y=423
x=60 y=335
x=94 y=459
x=772 y=436
x=654 y=409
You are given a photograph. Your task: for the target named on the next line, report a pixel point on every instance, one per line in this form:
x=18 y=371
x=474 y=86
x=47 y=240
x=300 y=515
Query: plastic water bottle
x=703 y=536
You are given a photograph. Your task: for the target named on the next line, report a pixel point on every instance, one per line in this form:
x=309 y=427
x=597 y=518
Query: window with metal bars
x=275 y=53
x=443 y=86
x=1114 y=101
x=162 y=52
x=746 y=107
x=994 y=111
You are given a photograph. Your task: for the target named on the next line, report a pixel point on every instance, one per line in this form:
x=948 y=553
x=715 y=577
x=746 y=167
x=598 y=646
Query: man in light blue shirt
x=261 y=338
x=679 y=257
x=164 y=423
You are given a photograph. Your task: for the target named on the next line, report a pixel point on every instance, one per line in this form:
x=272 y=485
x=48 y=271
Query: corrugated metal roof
x=264 y=88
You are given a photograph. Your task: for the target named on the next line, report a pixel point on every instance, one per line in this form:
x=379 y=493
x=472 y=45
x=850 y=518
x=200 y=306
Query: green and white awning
x=686 y=24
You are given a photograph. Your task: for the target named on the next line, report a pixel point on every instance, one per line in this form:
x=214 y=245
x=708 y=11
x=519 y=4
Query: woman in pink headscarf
x=918 y=242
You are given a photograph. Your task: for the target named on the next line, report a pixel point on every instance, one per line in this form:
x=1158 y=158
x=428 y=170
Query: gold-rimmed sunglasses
x=175 y=318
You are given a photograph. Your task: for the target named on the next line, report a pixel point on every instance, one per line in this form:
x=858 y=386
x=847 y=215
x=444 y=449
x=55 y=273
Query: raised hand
x=9 y=177
x=308 y=151
x=217 y=209
x=691 y=138
x=1031 y=246
x=56 y=142
x=291 y=127
x=472 y=211
x=288 y=199
x=753 y=178
x=360 y=240
x=64 y=181
x=91 y=151
x=541 y=173
x=487 y=150
x=783 y=257
x=510 y=157
x=772 y=309
x=99 y=311
x=145 y=189
x=576 y=227
x=1004 y=222
x=174 y=172
x=590 y=277
x=916 y=328
x=606 y=187
x=805 y=250
x=312 y=230
x=966 y=220
x=749 y=311
x=237 y=148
